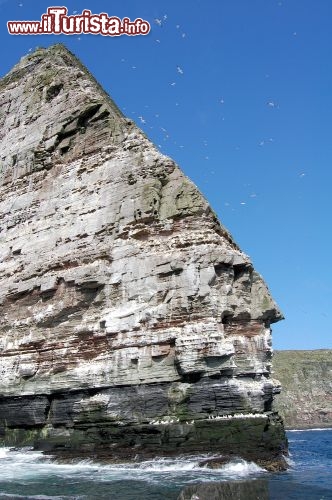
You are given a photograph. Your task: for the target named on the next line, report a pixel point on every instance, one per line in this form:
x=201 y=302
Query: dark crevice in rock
x=227 y=318
x=24 y=294
x=268 y=405
x=240 y=270
x=87 y=114
x=48 y=407
x=167 y=274
x=247 y=375
x=192 y=378
x=221 y=269
x=53 y=91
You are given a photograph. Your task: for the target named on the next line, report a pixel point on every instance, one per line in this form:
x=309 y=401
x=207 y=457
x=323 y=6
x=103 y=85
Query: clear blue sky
x=248 y=120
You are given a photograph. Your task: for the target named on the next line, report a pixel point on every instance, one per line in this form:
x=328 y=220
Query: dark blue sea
x=26 y=474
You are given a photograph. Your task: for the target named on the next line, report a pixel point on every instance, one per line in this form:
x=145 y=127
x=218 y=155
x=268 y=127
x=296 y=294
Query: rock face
x=227 y=490
x=129 y=317
x=306 y=378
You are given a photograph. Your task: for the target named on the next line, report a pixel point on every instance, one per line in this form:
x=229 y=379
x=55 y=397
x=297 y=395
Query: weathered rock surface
x=227 y=490
x=306 y=378
x=129 y=316
x=260 y=489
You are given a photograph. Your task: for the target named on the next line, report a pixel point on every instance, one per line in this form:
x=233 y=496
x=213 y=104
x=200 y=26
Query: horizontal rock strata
x=123 y=301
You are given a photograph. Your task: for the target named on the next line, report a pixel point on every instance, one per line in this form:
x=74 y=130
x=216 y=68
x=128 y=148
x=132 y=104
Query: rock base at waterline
x=258 y=438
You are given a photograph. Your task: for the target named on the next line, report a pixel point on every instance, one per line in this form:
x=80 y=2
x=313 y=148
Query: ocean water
x=26 y=474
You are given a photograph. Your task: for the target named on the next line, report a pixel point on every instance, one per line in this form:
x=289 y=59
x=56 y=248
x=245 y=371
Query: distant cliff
x=306 y=380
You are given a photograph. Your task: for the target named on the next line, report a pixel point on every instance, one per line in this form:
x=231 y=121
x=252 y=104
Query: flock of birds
x=237 y=415
x=154 y=122
x=165 y=135
x=168 y=420
x=174 y=420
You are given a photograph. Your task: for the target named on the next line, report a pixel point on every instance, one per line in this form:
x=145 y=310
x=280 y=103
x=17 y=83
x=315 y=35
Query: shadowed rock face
x=128 y=315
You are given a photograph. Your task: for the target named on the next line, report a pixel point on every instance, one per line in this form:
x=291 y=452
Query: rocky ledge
x=130 y=321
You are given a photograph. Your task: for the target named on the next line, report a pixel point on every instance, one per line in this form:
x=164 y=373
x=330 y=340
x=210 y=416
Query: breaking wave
x=25 y=464
x=30 y=475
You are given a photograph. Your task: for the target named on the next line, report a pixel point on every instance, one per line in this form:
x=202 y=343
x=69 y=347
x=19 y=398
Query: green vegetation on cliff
x=306 y=380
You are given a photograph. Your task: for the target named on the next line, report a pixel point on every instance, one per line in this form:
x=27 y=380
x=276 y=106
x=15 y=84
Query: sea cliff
x=306 y=379
x=130 y=320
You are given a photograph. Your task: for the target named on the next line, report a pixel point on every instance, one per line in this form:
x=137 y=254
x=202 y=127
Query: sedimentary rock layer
x=128 y=315
x=306 y=379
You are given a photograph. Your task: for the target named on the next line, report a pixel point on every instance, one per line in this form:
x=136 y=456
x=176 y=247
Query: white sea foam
x=241 y=468
x=290 y=461
x=21 y=455
x=310 y=430
x=3 y=452
x=26 y=465
x=167 y=465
